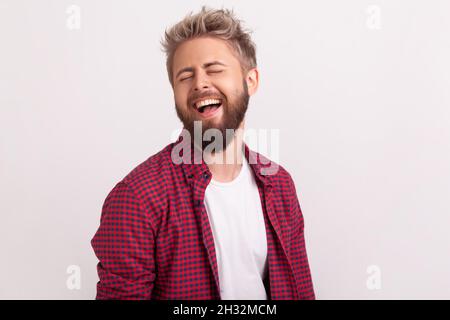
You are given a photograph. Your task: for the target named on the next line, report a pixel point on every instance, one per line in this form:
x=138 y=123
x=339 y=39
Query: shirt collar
x=196 y=168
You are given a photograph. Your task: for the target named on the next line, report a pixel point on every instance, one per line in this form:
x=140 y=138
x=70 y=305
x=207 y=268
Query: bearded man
x=225 y=225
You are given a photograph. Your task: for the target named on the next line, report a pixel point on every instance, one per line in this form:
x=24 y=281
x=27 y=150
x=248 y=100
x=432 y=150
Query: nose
x=200 y=82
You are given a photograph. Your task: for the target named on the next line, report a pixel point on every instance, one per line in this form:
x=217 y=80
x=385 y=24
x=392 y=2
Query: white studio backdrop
x=359 y=91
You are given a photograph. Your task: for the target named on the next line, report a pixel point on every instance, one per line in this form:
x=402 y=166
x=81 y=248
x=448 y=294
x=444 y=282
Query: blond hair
x=219 y=23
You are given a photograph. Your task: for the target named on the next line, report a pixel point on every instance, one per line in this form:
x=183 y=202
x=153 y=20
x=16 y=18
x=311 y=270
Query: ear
x=252 y=80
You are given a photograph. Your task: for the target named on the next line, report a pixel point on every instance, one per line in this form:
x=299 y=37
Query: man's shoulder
x=148 y=180
x=277 y=173
x=145 y=185
x=283 y=185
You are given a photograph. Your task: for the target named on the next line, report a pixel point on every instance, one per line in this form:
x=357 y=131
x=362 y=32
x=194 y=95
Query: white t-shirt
x=237 y=222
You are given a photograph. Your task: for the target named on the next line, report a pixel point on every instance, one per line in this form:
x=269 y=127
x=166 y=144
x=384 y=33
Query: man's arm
x=124 y=245
x=300 y=261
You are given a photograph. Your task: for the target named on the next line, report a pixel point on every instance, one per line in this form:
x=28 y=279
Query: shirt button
x=205 y=176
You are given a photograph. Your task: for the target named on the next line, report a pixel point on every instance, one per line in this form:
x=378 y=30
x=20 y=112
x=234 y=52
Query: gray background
x=363 y=115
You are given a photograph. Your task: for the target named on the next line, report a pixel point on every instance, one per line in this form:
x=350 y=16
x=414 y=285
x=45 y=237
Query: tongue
x=209 y=109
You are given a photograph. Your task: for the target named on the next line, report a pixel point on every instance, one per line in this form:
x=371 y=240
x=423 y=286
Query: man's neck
x=226 y=164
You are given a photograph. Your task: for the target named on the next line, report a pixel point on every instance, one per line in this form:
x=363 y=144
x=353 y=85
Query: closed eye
x=216 y=71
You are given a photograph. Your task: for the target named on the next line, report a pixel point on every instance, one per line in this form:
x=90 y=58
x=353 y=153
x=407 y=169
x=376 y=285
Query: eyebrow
x=205 y=65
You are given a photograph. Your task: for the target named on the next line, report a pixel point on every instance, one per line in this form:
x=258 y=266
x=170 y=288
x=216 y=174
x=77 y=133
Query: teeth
x=206 y=102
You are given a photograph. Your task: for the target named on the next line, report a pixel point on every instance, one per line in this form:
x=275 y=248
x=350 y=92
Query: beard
x=231 y=118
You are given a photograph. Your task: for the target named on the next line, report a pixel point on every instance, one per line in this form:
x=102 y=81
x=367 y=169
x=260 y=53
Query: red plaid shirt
x=155 y=239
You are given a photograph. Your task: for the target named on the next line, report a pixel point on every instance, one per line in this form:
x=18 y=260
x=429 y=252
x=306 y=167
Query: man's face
x=209 y=86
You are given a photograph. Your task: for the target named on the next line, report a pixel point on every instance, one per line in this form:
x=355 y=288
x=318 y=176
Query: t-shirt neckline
x=235 y=180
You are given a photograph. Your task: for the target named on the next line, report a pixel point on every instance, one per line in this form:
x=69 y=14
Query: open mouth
x=208 y=107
